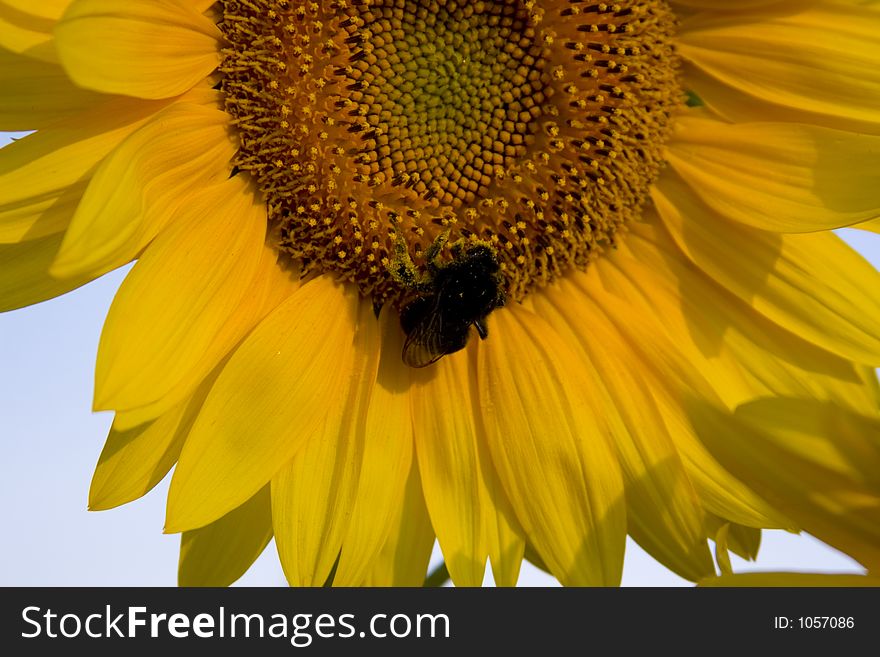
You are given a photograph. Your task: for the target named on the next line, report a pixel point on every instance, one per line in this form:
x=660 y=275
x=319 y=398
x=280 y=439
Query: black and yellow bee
x=450 y=298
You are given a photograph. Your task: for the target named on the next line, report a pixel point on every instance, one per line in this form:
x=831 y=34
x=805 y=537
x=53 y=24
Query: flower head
x=598 y=230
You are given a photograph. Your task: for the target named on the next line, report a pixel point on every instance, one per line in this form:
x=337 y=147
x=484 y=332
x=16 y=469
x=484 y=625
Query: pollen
x=536 y=127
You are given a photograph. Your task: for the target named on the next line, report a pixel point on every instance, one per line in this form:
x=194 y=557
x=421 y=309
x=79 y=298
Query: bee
x=450 y=298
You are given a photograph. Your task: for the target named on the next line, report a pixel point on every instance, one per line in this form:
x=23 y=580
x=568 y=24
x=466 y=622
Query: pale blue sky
x=50 y=441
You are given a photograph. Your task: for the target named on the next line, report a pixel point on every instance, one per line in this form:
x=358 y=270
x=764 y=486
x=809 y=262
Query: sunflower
x=511 y=274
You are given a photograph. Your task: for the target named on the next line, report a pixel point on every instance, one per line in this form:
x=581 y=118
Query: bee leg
x=482 y=329
x=401 y=267
x=436 y=246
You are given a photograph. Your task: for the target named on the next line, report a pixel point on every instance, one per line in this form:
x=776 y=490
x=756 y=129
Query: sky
x=50 y=442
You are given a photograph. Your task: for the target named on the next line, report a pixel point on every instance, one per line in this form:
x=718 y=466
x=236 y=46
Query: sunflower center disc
x=534 y=127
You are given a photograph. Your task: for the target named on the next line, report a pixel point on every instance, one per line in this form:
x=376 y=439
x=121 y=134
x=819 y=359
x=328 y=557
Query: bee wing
x=425 y=343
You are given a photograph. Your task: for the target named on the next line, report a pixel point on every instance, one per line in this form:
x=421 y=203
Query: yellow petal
x=24 y=32
x=741 y=540
x=202 y=6
x=454 y=464
x=152 y=338
x=449 y=465
x=873 y=225
x=551 y=450
x=872 y=383
x=24 y=277
x=784 y=579
x=136 y=457
x=535 y=559
x=313 y=496
x=404 y=558
x=504 y=535
x=664 y=514
x=387 y=460
x=743 y=354
x=799 y=178
x=141 y=48
x=274 y=393
x=37 y=93
x=647 y=315
x=723 y=5
x=818 y=463
x=721 y=554
x=134 y=461
x=37 y=218
x=744 y=541
x=43 y=175
x=220 y=553
x=271 y=285
x=47 y=9
x=810 y=62
x=814 y=285
x=141 y=186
